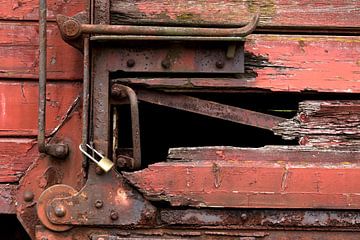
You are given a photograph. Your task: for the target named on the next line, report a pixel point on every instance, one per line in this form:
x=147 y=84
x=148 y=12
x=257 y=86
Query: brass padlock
x=104 y=163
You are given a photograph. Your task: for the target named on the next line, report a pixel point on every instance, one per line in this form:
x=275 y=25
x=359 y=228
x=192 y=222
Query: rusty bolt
x=219 y=64
x=28 y=196
x=99 y=203
x=71 y=28
x=304 y=140
x=130 y=63
x=165 y=63
x=60 y=210
x=114 y=215
x=303 y=117
x=99 y=171
x=244 y=216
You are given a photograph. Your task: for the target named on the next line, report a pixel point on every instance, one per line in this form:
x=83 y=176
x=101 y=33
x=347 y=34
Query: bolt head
x=114 y=215
x=98 y=170
x=99 y=204
x=219 y=64
x=130 y=63
x=28 y=196
x=71 y=28
x=60 y=210
x=244 y=216
x=165 y=63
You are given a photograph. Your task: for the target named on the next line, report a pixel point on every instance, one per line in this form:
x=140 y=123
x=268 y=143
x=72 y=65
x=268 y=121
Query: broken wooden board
x=283 y=63
x=29 y=10
x=19 y=53
x=16 y=155
x=239 y=181
x=274 y=13
x=19 y=106
x=324 y=124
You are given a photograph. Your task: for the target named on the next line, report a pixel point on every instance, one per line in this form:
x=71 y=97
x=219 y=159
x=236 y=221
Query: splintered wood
x=324 y=124
x=272 y=177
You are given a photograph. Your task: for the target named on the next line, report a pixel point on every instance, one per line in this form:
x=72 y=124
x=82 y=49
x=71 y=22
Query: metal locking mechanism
x=104 y=163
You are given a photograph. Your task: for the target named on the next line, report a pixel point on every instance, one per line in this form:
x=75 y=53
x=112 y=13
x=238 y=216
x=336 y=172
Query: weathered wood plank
x=7 y=198
x=19 y=54
x=16 y=155
x=28 y=9
x=324 y=124
x=253 y=182
x=286 y=63
x=280 y=13
x=19 y=106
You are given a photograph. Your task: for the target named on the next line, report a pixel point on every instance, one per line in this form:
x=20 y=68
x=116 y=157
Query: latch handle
x=72 y=28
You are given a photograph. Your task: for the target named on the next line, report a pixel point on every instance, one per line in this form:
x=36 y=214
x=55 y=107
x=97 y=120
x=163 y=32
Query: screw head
x=28 y=196
x=244 y=216
x=166 y=63
x=98 y=170
x=99 y=203
x=130 y=63
x=60 y=210
x=114 y=215
x=219 y=64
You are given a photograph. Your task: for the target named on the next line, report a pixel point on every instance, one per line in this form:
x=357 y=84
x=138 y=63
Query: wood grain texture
x=324 y=13
x=19 y=54
x=16 y=155
x=287 y=64
x=28 y=9
x=324 y=124
x=19 y=106
x=242 y=182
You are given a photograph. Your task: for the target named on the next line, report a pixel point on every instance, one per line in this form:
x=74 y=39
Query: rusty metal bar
x=120 y=90
x=86 y=85
x=208 y=108
x=71 y=28
x=163 y=38
x=55 y=150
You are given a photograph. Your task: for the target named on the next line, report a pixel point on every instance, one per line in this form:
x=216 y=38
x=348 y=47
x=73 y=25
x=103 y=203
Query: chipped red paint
x=241 y=182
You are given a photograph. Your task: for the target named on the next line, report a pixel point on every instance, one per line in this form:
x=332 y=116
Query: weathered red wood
x=256 y=183
x=16 y=155
x=7 y=197
x=286 y=63
x=19 y=106
x=282 y=13
x=324 y=124
x=19 y=54
x=28 y=9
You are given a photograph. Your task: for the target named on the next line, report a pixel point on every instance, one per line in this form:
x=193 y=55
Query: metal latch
x=104 y=163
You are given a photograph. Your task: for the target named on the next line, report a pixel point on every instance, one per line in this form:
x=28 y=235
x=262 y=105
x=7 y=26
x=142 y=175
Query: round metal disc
x=56 y=191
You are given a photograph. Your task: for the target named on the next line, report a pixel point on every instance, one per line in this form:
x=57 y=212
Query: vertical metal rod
x=42 y=76
x=86 y=85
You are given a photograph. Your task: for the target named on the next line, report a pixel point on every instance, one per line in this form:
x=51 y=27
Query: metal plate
x=180 y=58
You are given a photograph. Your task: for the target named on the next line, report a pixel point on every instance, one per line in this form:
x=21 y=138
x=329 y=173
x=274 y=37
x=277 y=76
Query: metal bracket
x=104 y=200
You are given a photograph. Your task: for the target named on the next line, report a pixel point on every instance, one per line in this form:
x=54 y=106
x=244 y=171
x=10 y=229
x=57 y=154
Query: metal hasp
x=71 y=28
x=122 y=91
x=56 y=150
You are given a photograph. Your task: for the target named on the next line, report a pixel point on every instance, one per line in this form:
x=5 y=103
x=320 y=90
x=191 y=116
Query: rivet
x=303 y=117
x=98 y=170
x=165 y=63
x=219 y=64
x=60 y=210
x=28 y=196
x=114 y=215
x=130 y=63
x=99 y=203
x=244 y=216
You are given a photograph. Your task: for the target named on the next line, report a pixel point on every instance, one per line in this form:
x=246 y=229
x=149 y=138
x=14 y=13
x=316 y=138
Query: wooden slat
x=28 y=9
x=243 y=182
x=19 y=106
x=324 y=13
x=287 y=63
x=16 y=155
x=19 y=54
x=324 y=124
